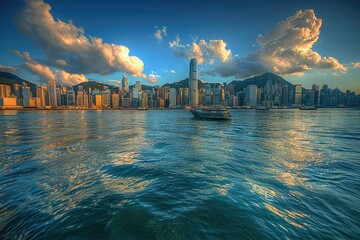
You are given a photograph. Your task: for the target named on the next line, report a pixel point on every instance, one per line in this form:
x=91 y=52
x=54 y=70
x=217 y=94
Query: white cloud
x=286 y=49
x=172 y=71
x=208 y=52
x=153 y=77
x=160 y=33
x=114 y=82
x=355 y=64
x=9 y=69
x=45 y=74
x=69 y=78
x=66 y=46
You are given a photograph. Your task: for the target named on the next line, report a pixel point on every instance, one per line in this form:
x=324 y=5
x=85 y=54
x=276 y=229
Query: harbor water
x=162 y=174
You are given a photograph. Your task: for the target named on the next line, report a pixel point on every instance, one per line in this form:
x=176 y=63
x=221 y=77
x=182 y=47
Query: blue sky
x=70 y=41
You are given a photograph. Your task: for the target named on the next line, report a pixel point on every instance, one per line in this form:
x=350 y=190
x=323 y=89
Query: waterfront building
x=172 y=98
x=144 y=99
x=86 y=100
x=115 y=100
x=26 y=94
x=316 y=89
x=125 y=85
x=41 y=95
x=5 y=91
x=52 y=94
x=285 y=95
x=70 y=98
x=207 y=94
x=138 y=85
x=298 y=94
x=80 y=97
x=105 y=98
x=8 y=102
x=135 y=98
x=251 y=95
x=216 y=96
x=193 y=83
x=98 y=101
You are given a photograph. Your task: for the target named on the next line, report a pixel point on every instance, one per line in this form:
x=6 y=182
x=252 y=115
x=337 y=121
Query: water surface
x=278 y=174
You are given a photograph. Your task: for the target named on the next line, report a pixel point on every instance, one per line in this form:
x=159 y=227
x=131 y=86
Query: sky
x=72 y=41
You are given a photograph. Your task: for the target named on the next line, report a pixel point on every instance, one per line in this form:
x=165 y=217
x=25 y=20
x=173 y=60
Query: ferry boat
x=211 y=113
x=307 y=107
x=262 y=108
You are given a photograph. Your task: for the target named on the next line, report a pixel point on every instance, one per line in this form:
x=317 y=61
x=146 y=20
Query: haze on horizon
x=305 y=42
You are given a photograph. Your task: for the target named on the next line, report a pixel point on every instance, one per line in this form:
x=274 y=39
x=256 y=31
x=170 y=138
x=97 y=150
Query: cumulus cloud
x=114 y=82
x=9 y=69
x=355 y=64
x=153 y=77
x=286 y=49
x=70 y=78
x=208 y=52
x=172 y=71
x=160 y=33
x=46 y=74
x=66 y=46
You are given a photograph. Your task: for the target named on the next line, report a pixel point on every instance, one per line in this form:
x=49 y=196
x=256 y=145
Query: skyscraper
x=298 y=94
x=125 y=85
x=251 y=95
x=138 y=85
x=193 y=83
x=52 y=94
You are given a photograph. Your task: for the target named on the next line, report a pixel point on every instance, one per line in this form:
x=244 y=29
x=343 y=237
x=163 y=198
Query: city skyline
x=303 y=42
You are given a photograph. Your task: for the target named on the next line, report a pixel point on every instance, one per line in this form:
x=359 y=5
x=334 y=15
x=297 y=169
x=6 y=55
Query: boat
x=262 y=108
x=142 y=108
x=307 y=107
x=220 y=113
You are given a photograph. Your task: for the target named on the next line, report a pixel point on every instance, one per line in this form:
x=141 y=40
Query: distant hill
x=185 y=84
x=11 y=79
x=260 y=81
x=95 y=85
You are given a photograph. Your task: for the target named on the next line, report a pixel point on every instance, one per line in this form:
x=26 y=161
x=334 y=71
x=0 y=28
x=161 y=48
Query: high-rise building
x=135 y=98
x=5 y=91
x=251 y=95
x=70 y=98
x=298 y=94
x=138 y=85
x=52 y=94
x=41 y=94
x=193 y=83
x=105 y=98
x=115 y=100
x=125 y=85
x=285 y=95
x=216 y=95
x=207 y=94
x=26 y=95
x=316 y=89
x=172 y=98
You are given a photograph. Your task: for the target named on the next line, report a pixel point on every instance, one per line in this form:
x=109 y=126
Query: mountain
x=185 y=84
x=260 y=81
x=95 y=85
x=11 y=79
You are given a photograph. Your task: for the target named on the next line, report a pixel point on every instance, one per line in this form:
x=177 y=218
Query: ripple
x=283 y=174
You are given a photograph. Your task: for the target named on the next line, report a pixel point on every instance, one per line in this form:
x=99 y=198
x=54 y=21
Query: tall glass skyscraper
x=52 y=94
x=193 y=83
x=125 y=85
